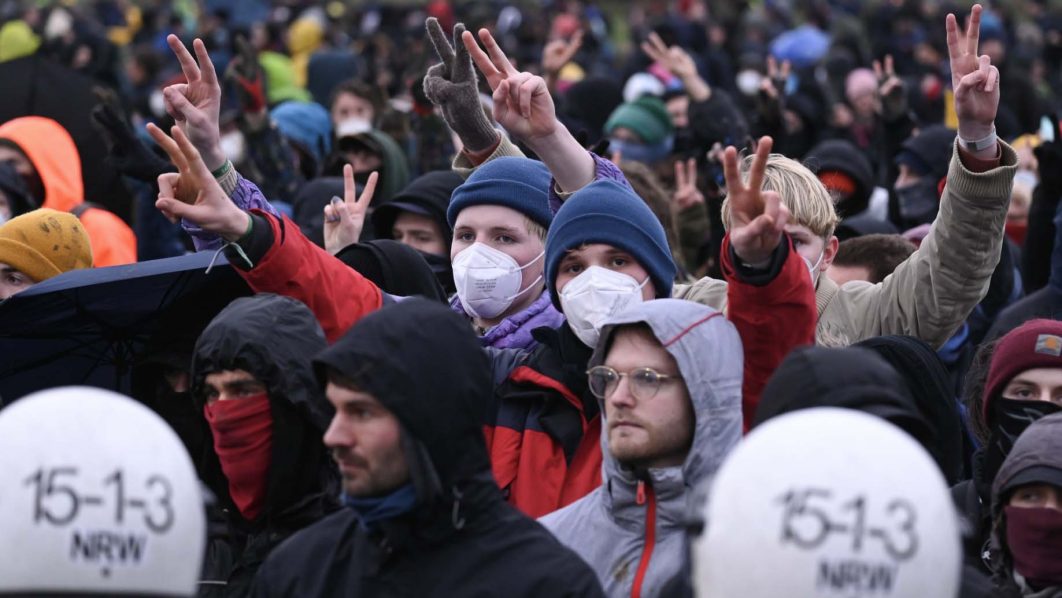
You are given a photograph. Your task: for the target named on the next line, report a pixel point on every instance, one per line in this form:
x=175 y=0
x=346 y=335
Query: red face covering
x=243 y=439
x=1035 y=540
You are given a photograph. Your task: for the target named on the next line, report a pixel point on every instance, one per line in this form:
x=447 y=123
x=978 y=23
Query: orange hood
x=52 y=152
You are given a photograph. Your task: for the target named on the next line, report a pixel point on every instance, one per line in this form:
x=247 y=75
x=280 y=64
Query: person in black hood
x=423 y=515
x=417 y=217
x=396 y=268
x=846 y=173
x=15 y=198
x=253 y=381
x=850 y=378
x=923 y=163
x=928 y=383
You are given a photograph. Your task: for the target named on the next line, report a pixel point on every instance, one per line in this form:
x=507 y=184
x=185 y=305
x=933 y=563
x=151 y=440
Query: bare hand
x=773 y=85
x=196 y=105
x=559 y=52
x=673 y=58
x=891 y=89
x=344 y=220
x=757 y=217
x=522 y=103
x=195 y=195
x=686 y=192
x=974 y=79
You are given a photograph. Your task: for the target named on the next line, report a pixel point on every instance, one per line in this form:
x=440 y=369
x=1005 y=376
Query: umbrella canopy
x=88 y=327
x=35 y=86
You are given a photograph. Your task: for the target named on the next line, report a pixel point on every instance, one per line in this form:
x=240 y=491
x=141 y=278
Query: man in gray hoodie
x=668 y=374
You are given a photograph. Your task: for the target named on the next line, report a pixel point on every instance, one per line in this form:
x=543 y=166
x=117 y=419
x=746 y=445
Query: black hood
x=850 y=378
x=274 y=338
x=14 y=188
x=309 y=204
x=396 y=268
x=428 y=194
x=840 y=155
x=928 y=383
x=423 y=363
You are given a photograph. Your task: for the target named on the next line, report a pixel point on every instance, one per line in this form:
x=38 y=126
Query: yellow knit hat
x=45 y=243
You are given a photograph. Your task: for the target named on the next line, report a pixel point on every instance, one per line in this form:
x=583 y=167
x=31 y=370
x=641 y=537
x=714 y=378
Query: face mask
x=748 y=82
x=596 y=295
x=1034 y=537
x=812 y=267
x=233 y=146
x=685 y=142
x=1010 y=417
x=488 y=280
x=640 y=152
x=1027 y=178
x=243 y=441
x=919 y=202
x=4 y=216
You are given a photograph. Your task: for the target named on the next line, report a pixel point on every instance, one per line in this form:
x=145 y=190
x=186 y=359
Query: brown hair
x=880 y=254
x=649 y=187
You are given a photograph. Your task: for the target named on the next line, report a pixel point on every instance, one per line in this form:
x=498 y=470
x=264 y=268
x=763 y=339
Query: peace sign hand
x=559 y=52
x=522 y=103
x=345 y=219
x=891 y=90
x=757 y=217
x=451 y=85
x=673 y=58
x=687 y=194
x=196 y=105
x=974 y=79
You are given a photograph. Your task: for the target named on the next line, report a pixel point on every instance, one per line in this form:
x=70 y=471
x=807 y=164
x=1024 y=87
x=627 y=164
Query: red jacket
x=772 y=319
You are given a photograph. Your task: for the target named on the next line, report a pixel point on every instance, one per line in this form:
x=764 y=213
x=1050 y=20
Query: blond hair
x=809 y=203
x=535 y=229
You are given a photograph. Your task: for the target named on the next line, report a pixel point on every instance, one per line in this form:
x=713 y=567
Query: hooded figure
x=631 y=529
x=270 y=470
x=927 y=382
x=1029 y=536
x=398 y=269
x=458 y=537
x=51 y=168
x=846 y=172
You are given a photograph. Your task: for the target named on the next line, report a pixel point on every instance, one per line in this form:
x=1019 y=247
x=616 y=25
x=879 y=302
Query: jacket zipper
x=645 y=496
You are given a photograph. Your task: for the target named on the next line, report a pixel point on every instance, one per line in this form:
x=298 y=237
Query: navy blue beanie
x=517 y=183
x=610 y=213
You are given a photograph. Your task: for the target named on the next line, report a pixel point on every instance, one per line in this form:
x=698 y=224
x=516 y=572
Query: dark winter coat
x=424 y=364
x=273 y=338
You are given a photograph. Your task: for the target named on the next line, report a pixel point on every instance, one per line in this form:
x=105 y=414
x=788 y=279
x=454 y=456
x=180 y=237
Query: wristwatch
x=983 y=143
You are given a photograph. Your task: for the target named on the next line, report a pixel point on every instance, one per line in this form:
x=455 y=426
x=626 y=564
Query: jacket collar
x=620 y=494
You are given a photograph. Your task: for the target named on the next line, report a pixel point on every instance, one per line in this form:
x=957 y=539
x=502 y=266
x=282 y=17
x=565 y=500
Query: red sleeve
x=294 y=267
x=772 y=320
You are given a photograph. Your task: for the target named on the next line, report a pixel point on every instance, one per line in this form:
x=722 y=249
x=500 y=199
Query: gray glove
x=452 y=87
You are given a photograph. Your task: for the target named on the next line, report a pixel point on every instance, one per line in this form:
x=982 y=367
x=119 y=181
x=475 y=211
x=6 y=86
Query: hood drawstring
x=455 y=516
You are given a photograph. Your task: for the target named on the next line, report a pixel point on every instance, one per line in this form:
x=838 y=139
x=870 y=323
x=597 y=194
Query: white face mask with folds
x=488 y=280
x=594 y=296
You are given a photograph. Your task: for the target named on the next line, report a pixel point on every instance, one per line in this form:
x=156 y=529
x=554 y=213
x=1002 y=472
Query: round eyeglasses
x=643 y=383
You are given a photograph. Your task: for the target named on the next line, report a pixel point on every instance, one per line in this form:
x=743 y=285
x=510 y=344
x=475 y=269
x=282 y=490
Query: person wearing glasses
x=668 y=375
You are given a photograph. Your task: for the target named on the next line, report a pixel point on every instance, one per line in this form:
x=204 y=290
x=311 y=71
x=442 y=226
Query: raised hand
x=974 y=79
x=245 y=72
x=126 y=152
x=196 y=105
x=686 y=192
x=757 y=217
x=773 y=85
x=891 y=89
x=344 y=220
x=673 y=58
x=559 y=52
x=522 y=103
x=194 y=194
x=451 y=85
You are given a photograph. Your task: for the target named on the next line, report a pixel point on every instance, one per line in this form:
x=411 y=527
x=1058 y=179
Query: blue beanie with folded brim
x=610 y=213
x=520 y=184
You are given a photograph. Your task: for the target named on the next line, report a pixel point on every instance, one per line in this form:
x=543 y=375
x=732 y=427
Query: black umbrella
x=89 y=326
x=35 y=86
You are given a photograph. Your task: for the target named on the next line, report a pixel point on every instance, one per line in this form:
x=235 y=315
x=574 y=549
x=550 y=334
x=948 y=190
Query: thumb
x=175 y=209
x=182 y=107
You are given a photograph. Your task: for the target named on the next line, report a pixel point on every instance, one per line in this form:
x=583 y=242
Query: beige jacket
x=933 y=291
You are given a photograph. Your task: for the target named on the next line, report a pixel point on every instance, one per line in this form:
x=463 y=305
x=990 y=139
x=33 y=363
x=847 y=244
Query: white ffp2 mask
x=594 y=296
x=488 y=280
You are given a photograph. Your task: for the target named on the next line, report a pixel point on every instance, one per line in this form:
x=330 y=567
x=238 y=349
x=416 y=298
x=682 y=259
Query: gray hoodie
x=615 y=528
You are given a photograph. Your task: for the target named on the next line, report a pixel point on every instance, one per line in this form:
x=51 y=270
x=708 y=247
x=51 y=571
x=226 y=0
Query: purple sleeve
x=247 y=197
x=604 y=170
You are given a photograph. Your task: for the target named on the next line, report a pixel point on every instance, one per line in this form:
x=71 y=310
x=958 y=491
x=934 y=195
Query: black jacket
x=423 y=363
x=273 y=338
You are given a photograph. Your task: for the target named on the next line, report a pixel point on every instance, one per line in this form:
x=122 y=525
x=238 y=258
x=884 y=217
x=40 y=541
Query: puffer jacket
x=631 y=528
x=930 y=294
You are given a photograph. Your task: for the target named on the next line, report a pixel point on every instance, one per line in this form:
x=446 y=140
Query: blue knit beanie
x=308 y=124
x=610 y=213
x=517 y=183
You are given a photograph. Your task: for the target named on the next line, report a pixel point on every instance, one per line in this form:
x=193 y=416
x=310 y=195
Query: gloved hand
x=1049 y=159
x=246 y=76
x=127 y=153
x=452 y=87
